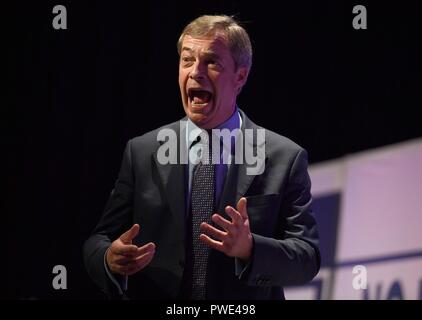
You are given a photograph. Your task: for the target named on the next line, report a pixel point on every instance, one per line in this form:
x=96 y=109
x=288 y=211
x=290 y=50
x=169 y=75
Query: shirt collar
x=232 y=123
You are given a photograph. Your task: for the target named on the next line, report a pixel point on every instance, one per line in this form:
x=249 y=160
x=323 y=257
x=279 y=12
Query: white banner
x=369 y=214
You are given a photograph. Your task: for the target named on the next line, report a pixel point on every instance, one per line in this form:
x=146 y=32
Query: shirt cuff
x=122 y=284
x=241 y=267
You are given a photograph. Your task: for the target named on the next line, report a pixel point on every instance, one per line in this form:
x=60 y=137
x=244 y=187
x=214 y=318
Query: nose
x=197 y=72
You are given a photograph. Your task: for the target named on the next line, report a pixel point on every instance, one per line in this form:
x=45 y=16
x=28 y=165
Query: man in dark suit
x=207 y=226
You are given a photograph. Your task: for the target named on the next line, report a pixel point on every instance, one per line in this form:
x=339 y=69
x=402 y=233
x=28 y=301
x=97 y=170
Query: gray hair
x=238 y=39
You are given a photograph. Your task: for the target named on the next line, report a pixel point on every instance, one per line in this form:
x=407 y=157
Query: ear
x=242 y=76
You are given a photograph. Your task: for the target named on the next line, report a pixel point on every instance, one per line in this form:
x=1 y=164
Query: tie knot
x=201 y=149
x=205 y=137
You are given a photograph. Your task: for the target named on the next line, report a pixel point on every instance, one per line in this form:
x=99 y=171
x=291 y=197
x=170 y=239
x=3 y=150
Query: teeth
x=191 y=93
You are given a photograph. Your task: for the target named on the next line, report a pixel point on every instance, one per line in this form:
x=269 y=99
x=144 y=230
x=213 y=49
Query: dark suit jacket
x=153 y=195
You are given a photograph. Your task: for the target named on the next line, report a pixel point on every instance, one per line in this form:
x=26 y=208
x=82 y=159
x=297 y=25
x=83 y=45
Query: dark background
x=74 y=97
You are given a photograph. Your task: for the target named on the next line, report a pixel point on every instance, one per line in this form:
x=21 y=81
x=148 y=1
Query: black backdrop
x=75 y=96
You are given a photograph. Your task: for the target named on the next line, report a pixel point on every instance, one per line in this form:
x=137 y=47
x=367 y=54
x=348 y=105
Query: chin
x=198 y=119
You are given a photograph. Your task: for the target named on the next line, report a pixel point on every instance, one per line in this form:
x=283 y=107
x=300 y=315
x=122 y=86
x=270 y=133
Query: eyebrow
x=187 y=49
x=207 y=54
x=211 y=54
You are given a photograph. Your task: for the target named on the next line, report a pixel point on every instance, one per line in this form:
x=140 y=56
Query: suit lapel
x=238 y=181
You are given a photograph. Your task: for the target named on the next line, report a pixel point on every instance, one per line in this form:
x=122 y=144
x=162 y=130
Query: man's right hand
x=125 y=258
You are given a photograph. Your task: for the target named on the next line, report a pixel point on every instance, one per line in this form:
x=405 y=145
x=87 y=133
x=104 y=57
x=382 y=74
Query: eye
x=187 y=59
x=212 y=61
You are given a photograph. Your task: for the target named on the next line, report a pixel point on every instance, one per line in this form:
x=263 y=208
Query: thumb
x=241 y=207
x=128 y=236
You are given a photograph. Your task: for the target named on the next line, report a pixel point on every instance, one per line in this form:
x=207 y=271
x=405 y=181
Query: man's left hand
x=236 y=239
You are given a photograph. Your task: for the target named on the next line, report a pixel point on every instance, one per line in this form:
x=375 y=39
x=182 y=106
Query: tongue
x=201 y=97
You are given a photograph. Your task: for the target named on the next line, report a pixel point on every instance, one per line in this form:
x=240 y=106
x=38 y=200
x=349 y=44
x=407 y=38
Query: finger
x=219 y=220
x=124 y=249
x=146 y=251
x=128 y=236
x=145 y=248
x=139 y=267
x=123 y=260
x=241 y=207
x=145 y=256
x=217 y=245
x=234 y=215
x=137 y=261
x=214 y=232
x=132 y=265
x=140 y=263
x=127 y=262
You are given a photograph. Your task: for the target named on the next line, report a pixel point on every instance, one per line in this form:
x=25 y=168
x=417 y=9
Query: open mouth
x=199 y=97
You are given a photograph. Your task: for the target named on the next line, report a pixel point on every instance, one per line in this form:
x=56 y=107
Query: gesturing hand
x=125 y=258
x=236 y=239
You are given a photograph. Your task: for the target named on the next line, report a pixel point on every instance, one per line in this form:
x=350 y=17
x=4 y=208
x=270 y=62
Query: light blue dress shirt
x=226 y=154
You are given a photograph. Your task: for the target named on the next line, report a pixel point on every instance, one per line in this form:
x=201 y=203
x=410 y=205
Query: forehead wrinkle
x=212 y=42
x=187 y=49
